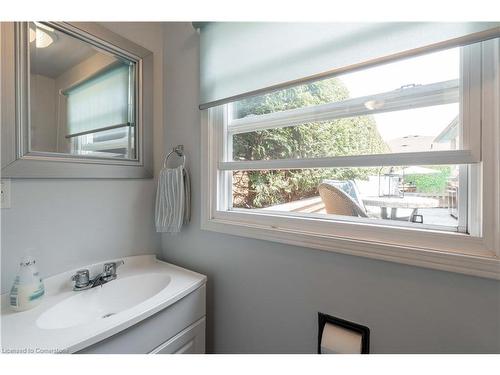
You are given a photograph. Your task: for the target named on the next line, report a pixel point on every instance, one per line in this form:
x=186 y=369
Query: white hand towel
x=170 y=200
x=187 y=196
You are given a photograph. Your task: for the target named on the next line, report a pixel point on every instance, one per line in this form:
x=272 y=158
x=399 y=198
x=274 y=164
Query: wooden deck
x=306 y=205
x=436 y=216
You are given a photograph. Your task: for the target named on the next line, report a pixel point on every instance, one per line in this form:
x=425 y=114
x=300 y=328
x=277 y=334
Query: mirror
x=82 y=98
x=77 y=102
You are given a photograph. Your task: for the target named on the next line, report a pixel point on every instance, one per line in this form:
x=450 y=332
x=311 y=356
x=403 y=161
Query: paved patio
x=434 y=216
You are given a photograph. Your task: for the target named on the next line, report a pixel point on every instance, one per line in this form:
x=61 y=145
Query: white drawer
x=189 y=341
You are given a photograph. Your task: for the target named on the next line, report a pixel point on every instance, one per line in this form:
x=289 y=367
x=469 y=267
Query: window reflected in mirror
x=82 y=98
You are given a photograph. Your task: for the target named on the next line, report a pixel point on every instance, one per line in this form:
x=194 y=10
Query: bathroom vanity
x=151 y=307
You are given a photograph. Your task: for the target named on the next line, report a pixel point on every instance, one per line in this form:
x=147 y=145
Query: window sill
x=482 y=263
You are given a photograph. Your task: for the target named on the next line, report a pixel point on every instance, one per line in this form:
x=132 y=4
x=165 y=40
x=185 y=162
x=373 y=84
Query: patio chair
x=350 y=188
x=338 y=202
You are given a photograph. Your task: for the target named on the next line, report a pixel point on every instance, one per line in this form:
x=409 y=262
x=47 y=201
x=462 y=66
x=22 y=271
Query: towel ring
x=179 y=151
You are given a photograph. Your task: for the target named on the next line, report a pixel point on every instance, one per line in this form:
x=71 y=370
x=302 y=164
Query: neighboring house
x=446 y=140
x=411 y=143
x=449 y=136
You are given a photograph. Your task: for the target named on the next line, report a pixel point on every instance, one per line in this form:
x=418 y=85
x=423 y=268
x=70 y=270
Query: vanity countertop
x=66 y=321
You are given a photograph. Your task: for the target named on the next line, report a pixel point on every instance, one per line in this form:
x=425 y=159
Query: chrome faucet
x=83 y=281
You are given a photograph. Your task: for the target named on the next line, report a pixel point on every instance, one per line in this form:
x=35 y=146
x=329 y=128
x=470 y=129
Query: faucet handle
x=81 y=278
x=110 y=268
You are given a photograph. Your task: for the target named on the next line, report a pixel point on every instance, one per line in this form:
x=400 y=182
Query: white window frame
x=457 y=252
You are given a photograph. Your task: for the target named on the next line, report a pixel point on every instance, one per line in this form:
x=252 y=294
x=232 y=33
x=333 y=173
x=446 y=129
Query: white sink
x=104 y=301
x=68 y=321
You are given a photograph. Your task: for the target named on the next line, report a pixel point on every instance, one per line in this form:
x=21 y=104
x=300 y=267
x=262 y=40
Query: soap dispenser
x=28 y=288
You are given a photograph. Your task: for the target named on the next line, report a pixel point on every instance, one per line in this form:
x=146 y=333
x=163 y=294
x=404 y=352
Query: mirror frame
x=17 y=161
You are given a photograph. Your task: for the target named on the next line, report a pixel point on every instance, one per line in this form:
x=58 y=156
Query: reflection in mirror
x=82 y=98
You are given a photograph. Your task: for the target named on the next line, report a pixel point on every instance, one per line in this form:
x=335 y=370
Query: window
x=99 y=118
x=387 y=161
x=116 y=142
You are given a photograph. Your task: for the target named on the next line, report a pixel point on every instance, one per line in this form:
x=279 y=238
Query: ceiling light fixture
x=42 y=35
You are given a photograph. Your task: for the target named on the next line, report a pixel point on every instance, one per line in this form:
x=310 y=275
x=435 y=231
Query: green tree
x=431 y=183
x=347 y=136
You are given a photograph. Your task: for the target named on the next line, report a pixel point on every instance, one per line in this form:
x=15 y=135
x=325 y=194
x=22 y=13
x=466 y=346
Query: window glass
x=116 y=143
x=411 y=105
x=414 y=130
x=415 y=195
x=441 y=66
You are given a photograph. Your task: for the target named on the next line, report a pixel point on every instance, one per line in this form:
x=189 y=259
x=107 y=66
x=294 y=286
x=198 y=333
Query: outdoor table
x=399 y=202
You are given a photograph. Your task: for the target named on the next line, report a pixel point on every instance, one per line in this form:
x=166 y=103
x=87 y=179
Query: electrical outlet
x=5 y=198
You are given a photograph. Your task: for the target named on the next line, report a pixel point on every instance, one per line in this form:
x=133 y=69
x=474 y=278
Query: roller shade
x=100 y=102
x=242 y=59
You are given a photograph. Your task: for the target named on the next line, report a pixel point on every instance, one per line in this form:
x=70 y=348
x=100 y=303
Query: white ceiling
x=61 y=55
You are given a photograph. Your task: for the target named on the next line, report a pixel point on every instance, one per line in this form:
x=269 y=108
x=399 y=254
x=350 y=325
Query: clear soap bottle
x=28 y=289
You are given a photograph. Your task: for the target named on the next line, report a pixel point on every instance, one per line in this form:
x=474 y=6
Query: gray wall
x=263 y=297
x=73 y=222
